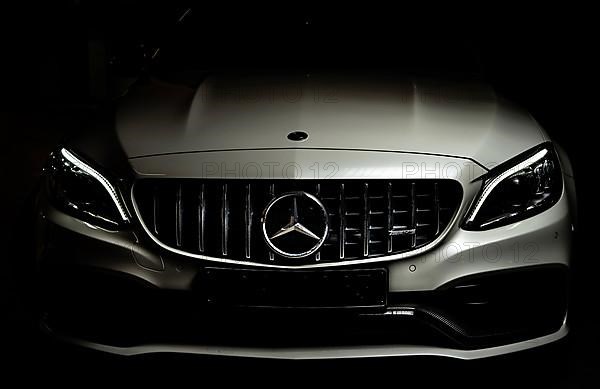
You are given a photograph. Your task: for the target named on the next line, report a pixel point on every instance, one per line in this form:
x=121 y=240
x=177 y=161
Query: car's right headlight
x=515 y=190
x=77 y=188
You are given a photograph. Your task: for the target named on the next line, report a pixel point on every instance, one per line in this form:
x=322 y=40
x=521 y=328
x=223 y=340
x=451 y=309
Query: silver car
x=308 y=215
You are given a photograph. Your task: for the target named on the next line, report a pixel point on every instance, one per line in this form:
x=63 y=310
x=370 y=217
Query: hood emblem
x=297 y=136
x=295 y=224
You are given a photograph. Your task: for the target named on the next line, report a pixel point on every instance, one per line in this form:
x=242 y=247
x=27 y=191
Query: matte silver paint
x=339 y=112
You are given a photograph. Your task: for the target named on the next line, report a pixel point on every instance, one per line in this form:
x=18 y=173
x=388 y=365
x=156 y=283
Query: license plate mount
x=260 y=288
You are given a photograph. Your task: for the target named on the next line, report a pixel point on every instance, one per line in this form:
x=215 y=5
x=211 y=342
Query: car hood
x=342 y=111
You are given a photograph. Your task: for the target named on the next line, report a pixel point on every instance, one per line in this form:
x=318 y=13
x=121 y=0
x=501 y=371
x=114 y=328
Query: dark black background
x=55 y=72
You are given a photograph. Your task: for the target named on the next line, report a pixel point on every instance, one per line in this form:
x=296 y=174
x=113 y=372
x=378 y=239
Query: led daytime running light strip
x=498 y=179
x=100 y=178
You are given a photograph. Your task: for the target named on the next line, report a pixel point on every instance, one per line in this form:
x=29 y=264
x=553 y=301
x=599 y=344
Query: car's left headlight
x=520 y=188
x=77 y=188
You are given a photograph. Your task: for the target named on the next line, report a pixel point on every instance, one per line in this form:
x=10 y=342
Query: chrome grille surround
x=370 y=220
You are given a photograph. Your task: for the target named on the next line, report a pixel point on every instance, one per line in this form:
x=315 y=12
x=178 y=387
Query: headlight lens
x=518 y=189
x=80 y=190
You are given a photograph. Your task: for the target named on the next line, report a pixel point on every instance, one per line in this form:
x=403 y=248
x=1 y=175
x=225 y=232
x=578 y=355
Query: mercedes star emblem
x=295 y=224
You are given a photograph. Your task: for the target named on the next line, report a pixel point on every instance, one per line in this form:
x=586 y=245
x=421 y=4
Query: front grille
x=367 y=219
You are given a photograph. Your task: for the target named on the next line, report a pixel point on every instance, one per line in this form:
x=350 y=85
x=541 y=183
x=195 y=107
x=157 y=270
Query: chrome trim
x=413 y=214
x=318 y=193
x=224 y=220
x=248 y=221
x=436 y=201
x=178 y=217
x=390 y=218
x=295 y=225
x=272 y=194
x=201 y=218
x=365 y=233
x=272 y=191
x=342 y=211
x=418 y=251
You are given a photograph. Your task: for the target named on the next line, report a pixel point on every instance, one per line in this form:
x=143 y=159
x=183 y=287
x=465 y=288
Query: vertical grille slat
x=224 y=220
x=179 y=217
x=413 y=214
x=390 y=217
x=367 y=218
x=365 y=232
x=342 y=213
x=201 y=218
x=248 y=220
x=271 y=197
x=318 y=194
x=436 y=204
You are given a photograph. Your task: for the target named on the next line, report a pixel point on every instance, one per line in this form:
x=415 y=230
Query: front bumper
x=476 y=295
